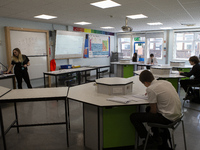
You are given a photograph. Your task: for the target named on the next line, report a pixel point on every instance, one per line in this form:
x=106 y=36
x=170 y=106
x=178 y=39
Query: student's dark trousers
x=137 y=119
x=22 y=74
x=189 y=82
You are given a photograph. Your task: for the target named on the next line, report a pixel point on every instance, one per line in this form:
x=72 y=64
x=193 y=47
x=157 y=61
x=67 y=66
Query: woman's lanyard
x=22 y=65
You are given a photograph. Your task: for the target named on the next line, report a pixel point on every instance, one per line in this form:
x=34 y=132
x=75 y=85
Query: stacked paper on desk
x=118 y=99
x=127 y=98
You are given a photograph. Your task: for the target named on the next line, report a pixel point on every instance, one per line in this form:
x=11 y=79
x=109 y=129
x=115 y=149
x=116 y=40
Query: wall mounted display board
x=99 y=45
x=69 y=44
x=33 y=43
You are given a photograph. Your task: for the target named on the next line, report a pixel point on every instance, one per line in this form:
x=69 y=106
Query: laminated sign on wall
x=99 y=46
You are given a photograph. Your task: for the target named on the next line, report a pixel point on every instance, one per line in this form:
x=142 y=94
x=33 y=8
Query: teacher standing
x=20 y=63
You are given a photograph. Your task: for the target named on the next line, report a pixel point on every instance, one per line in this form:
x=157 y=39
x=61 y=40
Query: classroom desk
x=98 y=69
x=67 y=71
x=29 y=95
x=185 y=68
x=107 y=123
x=146 y=65
x=174 y=78
x=7 y=76
x=124 y=70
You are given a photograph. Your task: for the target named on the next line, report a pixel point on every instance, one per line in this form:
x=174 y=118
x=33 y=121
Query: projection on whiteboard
x=69 y=44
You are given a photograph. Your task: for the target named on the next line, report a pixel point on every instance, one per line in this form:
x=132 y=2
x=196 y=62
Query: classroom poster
x=99 y=46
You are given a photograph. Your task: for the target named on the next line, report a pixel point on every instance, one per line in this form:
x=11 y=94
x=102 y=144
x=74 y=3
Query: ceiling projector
x=126 y=28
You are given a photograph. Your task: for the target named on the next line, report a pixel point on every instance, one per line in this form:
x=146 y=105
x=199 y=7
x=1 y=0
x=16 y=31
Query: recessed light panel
x=166 y=28
x=139 y=16
x=105 y=4
x=107 y=27
x=155 y=23
x=47 y=17
x=82 y=23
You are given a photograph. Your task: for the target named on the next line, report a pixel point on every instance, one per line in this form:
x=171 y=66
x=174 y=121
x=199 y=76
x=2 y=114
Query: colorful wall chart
x=99 y=46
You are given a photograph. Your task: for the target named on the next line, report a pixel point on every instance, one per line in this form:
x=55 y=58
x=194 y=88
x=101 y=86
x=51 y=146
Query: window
x=125 y=47
x=187 y=44
x=155 y=47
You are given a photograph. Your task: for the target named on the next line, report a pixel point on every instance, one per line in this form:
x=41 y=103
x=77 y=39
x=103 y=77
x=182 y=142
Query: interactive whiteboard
x=69 y=44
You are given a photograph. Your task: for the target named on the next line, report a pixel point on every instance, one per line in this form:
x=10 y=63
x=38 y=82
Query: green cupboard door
x=118 y=130
x=128 y=71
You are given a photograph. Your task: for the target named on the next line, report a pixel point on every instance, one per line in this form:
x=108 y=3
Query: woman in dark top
x=194 y=60
x=21 y=62
x=134 y=58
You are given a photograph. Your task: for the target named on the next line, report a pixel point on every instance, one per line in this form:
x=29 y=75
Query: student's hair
x=146 y=76
x=194 y=59
x=151 y=55
x=19 y=58
x=134 y=58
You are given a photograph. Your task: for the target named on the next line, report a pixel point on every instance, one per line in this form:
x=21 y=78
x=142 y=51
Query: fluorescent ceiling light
x=166 y=28
x=82 y=23
x=155 y=23
x=139 y=16
x=107 y=27
x=47 y=17
x=105 y=4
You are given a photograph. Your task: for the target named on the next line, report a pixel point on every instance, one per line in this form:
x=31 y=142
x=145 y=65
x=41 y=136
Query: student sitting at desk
x=21 y=62
x=134 y=58
x=165 y=107
x=152 y=60
x=194 y=60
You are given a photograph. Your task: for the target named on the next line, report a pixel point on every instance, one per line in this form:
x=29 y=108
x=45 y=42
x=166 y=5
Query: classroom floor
x=53 y=137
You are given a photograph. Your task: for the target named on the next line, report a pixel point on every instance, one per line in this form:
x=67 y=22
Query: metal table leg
x=2 y=129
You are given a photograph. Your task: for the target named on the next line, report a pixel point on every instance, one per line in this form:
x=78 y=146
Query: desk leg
x=110 y=71
x=97 y=75
x=79 y=78
x=13 y=82
x=44 y=80
x=68 y=112
x=66 y=120
x=99 y=135
x=85 y=76
x=56 y=81
x=2 y=129
x=16 y=117
x=83 y=124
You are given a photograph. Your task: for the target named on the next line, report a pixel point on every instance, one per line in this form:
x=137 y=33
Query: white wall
x=51 y=27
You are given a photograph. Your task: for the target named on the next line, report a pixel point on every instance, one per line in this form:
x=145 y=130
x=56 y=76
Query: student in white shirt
x=152 y=60
x=165 y=105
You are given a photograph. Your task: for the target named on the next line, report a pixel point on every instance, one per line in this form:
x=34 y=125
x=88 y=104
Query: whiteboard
x=30 y=43
x=69 y=44
x=38 y=65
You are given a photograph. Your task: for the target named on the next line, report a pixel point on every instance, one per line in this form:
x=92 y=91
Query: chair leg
x=183 y=103
x=147 y=139
x=170 y=139
x=173 y=143
x=184 y=135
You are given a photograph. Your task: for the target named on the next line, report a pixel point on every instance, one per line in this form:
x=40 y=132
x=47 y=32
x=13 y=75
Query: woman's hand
x=25 y=65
